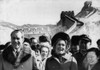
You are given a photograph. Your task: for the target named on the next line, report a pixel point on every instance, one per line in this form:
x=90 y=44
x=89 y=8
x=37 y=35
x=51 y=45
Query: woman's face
x=44 y=52
x=60 y=47
x=92 y=57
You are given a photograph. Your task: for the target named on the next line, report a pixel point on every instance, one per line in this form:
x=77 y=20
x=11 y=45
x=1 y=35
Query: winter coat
x=69 y=63
x=24 y=61
x=42 y=64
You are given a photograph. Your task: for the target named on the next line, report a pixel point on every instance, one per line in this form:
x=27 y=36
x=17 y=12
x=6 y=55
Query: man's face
x=75 y=48
x=17 y=39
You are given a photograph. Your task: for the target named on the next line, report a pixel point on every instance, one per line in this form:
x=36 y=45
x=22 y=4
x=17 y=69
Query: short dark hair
x=43 y=38
x=27 y=40
x=16 y=31
x=96 y=50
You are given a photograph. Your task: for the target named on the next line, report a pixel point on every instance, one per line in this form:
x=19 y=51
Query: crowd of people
x=58 y=53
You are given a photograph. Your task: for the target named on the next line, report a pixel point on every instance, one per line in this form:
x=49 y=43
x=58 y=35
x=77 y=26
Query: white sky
x=42 y=12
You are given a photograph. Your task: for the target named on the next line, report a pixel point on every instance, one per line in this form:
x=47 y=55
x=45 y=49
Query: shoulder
x=73 y=60
x=8 y=49
x=50 y=59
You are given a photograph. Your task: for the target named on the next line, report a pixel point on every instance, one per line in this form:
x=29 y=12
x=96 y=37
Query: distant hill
x=30 y=30
x=66 y=23
x=9 y=25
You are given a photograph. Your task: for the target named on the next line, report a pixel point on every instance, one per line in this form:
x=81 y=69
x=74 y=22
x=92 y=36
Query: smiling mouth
x=91 y=61
x=60 y=49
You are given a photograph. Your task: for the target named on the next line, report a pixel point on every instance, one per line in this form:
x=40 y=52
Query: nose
x=61 y=46
x=89 y=58
x=16 y=40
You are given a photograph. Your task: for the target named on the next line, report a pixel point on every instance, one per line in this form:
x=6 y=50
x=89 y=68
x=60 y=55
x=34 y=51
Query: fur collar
x=8 y=56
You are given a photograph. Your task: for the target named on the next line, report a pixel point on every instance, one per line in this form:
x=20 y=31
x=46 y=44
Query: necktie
x=17 y=53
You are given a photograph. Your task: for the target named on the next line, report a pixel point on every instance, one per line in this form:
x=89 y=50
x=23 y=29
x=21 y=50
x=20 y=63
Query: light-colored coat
x=4 y=65
x=27 y=62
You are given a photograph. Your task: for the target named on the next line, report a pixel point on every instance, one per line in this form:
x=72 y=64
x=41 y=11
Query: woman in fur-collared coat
x=61 y=58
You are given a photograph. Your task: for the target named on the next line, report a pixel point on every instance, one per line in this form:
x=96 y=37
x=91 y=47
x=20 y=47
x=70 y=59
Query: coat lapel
x=10 y=57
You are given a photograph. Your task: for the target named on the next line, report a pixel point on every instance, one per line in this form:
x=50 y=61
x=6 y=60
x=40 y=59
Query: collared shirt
x=17 y=51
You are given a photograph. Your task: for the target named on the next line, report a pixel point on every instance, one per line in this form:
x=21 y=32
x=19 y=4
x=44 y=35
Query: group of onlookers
x=59 y=53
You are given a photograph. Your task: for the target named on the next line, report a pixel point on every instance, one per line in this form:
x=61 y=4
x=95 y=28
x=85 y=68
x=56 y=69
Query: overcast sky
x=42 y=12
